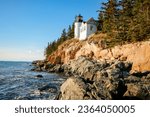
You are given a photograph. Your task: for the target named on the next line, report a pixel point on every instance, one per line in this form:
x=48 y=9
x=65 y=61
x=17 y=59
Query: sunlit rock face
x=137 y=53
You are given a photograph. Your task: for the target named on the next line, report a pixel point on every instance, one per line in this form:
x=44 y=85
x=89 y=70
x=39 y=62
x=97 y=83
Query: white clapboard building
x=84 y=29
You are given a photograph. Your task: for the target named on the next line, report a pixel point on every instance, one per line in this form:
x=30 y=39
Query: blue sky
x=26 y=26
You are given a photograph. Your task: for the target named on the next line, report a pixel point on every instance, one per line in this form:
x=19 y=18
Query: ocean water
x=18 y=82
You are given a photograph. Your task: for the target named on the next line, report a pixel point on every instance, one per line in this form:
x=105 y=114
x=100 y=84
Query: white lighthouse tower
x=78 y=23
x=82 y=29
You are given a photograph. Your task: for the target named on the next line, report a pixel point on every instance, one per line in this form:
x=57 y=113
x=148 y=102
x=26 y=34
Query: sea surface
x=18 y=82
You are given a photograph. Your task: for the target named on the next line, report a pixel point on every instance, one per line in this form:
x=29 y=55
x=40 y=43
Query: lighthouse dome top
x=79 y=18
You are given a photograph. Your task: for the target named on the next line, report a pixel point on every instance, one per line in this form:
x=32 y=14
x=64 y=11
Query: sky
x=26 y=26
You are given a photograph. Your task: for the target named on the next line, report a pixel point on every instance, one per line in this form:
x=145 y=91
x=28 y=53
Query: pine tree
x=50 y=48
x=125 y=19
x=141 y=26
x=63 y=36
x=110 y=12
x=100 y=20
x=70 y=33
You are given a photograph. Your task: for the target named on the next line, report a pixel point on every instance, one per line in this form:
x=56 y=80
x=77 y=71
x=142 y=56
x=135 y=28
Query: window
x=91 y=28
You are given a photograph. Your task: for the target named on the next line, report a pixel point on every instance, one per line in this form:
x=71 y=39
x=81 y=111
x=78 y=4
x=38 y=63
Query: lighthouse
x=84 y=29
x=78 y=23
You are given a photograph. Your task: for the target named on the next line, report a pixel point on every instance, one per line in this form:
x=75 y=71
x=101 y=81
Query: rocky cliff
x=95 y=48
x=95 y=71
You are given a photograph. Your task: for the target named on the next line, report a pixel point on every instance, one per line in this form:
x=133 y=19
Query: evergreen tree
x=125 y=19
x=100 y=20
x=64 y=35
x=50 y=48
x=70 y=33
x=110 y=13
x=140 y=29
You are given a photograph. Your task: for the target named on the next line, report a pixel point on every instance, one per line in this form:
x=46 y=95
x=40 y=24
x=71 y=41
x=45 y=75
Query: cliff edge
x=96 y=48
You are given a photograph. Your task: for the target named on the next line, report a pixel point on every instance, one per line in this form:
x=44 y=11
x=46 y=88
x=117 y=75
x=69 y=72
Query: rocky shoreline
x=89 y=79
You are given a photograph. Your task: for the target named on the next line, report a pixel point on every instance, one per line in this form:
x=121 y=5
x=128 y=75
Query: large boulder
x=73 y=89
x=138 y=87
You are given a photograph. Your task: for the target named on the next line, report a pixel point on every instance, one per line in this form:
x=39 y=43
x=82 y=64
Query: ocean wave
x=18 y=82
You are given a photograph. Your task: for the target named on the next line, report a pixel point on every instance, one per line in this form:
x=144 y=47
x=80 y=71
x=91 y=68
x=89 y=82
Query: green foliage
x=110 y=15
x=140 y=28
x=126 y=20
x=70 y=32
x=100 y=21
x=51 y=47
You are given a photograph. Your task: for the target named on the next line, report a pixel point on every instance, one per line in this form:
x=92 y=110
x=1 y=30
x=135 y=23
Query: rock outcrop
x=90 y=79
x=137 y=53
x=108 y=79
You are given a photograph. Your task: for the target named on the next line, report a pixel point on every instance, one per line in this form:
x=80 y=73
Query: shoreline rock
x=89 y=79
x=45 y=66
x=39 y=76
